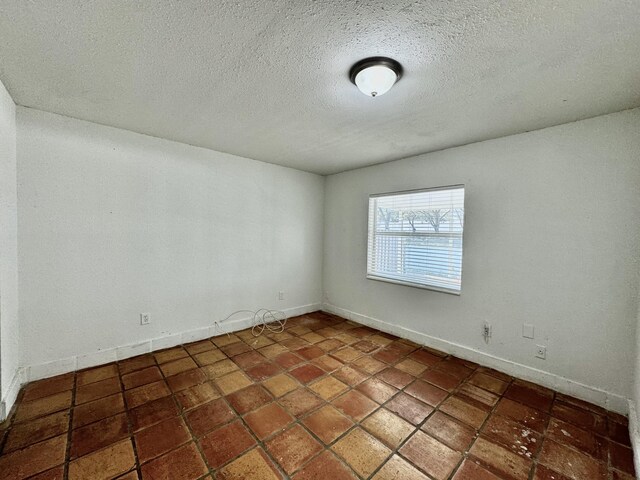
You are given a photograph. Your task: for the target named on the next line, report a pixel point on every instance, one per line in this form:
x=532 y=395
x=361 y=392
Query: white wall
x=9 y=339
x=113 y=223
x=551 y=238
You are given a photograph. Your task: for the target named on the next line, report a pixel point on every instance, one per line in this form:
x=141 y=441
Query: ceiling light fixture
x=375 y=76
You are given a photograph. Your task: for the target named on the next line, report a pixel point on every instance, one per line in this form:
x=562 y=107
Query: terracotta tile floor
x=327 y=399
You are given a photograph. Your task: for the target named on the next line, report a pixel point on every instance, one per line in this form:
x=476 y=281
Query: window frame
x=407 y=283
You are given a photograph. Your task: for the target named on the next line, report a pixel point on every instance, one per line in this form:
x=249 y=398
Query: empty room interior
x=319 y=240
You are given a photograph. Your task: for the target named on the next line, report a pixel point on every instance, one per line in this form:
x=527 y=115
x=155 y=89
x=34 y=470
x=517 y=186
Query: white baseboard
x=594 y=395
x=610 y=401
x=12 y=394
x=634 y=434
x=78 y=362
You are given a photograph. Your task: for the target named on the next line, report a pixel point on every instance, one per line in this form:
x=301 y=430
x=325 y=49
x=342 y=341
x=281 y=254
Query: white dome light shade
x=376 y=75
x=375 y=81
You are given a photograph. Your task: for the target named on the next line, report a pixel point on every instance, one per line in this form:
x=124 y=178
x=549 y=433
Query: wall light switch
x=527 y=331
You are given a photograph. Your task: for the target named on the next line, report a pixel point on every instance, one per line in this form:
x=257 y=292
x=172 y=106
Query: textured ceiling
x=269 y=80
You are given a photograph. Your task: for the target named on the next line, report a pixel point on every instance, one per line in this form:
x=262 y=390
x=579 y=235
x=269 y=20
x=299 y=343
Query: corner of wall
x=10 y=373
x=323 y=295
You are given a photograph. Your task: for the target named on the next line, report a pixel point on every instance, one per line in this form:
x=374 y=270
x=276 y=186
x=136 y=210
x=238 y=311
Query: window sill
x=414 y=285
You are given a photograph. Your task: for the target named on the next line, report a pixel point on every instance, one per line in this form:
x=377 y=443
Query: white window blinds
x=415 y=238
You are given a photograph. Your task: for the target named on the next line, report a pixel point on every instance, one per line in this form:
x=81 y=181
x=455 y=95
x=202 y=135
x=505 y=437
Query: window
x=415 y=238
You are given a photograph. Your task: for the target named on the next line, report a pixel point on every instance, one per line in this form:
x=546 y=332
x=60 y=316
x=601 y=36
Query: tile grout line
x=259 y=443
x=67 y=455
x=182 y=416
x=222 y=397
x=358 y=424
x=297 y=421
x=543 y=437
x=418 y=427
x=374 y=375
x=132 y=438
x=492 y=411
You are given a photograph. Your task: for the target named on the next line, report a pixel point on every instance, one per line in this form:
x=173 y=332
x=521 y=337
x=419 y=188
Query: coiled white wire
x=273 y=321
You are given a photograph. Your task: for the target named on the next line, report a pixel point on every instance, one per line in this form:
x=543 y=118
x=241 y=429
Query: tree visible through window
x=415 y=238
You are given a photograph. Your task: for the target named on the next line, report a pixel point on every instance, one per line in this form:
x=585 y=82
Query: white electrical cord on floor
x=273 y=321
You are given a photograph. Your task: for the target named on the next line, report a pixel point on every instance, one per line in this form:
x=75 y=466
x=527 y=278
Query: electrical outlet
x=527 y=330
x=145 y=318
x=280 y=295
x=486 y=330
x=541 y=352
